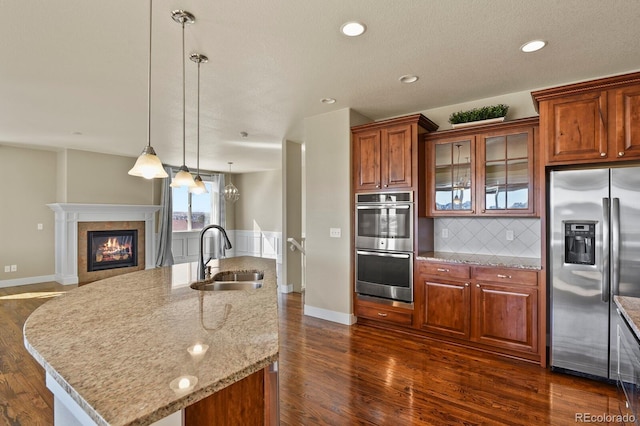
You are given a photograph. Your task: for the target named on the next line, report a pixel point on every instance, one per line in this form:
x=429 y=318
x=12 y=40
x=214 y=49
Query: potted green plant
x=476 y=116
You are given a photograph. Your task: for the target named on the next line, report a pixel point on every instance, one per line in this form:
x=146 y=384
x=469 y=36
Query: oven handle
x=375 y=253
x=385 y=206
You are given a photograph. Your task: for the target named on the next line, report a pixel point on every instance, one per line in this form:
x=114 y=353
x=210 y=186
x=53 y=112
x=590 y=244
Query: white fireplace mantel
x=66 y=231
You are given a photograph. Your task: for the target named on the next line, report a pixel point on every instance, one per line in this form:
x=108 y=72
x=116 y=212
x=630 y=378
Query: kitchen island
x=141 y=347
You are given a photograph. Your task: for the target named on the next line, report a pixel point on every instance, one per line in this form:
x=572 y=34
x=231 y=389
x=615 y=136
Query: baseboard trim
x=26 y=281
x=333 y=316
x=285 y=288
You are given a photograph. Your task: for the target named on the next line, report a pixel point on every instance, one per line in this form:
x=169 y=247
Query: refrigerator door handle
x=615 y=245
x=606 y=284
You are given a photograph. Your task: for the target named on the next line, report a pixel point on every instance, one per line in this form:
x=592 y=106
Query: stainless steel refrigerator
x=594 y=253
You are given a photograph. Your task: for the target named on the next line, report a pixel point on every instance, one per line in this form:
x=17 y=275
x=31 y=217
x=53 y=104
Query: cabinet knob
x=482 y=211
x=478 y=285
x=504 y=276
x=442 y=270
x=621 y=154
x=382 y=314
x=377 y=185
x=466 y=284
x=386 y=185
x=603 y=154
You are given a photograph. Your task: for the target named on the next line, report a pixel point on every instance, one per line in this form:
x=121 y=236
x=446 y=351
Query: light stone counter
x=630 y=310
x=116 y=345
x=482 y=259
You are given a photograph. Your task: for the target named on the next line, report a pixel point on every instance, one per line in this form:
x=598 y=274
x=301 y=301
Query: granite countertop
x=482 y=259
x=630 y=310
x=116 y=345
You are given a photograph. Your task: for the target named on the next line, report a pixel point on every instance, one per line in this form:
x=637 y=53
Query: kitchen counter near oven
x=117 y=349
x=482 y=260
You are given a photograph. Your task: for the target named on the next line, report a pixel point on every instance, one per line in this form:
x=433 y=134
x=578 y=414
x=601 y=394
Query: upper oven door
x=387 y=226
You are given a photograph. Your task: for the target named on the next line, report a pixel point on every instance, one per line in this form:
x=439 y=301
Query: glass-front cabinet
x=486 y=171
x=454 y=176
x=507 y=166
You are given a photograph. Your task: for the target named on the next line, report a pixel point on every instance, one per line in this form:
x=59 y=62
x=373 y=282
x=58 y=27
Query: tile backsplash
x=488 y=236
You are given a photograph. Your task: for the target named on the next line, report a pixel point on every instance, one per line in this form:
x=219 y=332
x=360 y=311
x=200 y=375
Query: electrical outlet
x=40 y=227
x=509 y=235
x=445 y=233
x=7 y=268
x=335 y=232
x=14 y=268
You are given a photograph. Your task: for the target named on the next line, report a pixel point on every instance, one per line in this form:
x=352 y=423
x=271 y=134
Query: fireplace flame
x=114 y=249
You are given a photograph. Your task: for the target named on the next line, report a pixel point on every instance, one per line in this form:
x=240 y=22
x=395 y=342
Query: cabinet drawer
x=382 y=313
x=445 y=270
x=506 y=275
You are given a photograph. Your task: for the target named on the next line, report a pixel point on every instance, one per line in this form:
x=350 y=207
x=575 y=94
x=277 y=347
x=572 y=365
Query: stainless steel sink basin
x=226 y=285
x=231 y=280
x=239 y=276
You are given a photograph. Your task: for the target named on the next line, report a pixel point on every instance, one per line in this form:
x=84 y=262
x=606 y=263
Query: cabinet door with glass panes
x=452 y=187
x=505 y=172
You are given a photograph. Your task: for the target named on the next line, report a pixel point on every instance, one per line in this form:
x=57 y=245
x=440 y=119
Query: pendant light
x=148 y=165
x=457 y=199
x=199 y=187
x=183 y=177
x=231 y=193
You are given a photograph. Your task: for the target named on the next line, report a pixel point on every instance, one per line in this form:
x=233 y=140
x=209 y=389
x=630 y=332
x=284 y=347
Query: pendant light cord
x=149 y=76
x=184 y=100
x=198 y=122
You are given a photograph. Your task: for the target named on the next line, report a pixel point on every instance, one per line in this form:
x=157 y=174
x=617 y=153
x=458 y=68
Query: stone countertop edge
x=630 y=310
x=532 y=263
x=243 y=341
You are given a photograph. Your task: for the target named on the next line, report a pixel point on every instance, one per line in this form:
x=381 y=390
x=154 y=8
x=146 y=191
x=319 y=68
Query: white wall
x=328 y=205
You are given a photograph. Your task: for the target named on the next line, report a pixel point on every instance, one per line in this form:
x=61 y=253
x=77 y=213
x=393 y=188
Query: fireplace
x=112 y=249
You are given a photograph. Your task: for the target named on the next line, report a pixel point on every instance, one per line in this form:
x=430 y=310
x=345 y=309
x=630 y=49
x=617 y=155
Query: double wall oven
x=384 y=245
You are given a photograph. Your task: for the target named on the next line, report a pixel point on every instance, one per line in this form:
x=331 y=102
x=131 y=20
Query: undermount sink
x=231 y=280
x=239 y=276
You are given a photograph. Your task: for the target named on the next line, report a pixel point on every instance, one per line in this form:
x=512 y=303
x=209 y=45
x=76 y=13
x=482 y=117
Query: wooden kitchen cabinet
x=590 y=122
x=491 y=308
x=505 y=308
x=384 y=313
x=483 y=171
x=385 y=153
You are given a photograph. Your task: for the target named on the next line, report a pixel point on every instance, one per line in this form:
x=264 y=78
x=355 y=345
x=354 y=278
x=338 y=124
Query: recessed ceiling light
x=533 y=45
x=408 y=79
x=353 y=29
x=328 y=101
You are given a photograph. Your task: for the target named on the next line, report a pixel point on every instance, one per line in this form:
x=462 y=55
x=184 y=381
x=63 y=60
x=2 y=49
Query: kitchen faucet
x=227 y=246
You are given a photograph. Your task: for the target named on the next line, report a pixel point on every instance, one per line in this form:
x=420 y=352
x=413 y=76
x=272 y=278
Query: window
x=193 y=212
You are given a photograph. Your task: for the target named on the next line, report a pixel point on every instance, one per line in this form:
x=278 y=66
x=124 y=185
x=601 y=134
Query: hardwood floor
x=332 y=374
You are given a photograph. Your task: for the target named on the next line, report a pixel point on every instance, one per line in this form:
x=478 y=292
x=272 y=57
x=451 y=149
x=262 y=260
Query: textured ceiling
x=73 y=73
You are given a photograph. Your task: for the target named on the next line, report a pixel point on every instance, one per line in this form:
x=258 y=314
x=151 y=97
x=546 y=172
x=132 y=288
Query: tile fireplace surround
x=69 y=215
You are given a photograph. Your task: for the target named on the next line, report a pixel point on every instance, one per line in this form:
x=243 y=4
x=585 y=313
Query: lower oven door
x=385 y=274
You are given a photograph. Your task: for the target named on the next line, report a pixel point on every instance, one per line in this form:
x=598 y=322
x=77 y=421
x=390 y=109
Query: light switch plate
x=7 y=268
x=445 y=233
x=509 y=235
x=335 y=232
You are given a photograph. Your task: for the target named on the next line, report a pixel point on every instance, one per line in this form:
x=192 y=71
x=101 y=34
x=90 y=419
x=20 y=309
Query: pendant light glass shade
x=148 y=165
x=231 y=193
x=199 y=187
x=183 y=177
